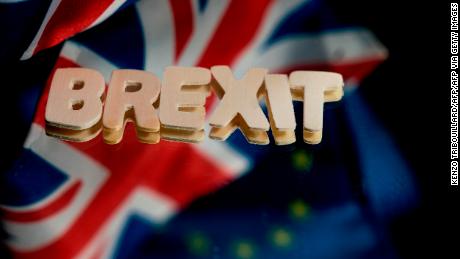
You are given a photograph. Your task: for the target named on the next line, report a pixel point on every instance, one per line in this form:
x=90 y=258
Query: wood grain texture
x=183 y=96
x=317 y=87
x=74 y=108
x=239 y=106
x=280 y=108
x=130 y=98
x=74 y=104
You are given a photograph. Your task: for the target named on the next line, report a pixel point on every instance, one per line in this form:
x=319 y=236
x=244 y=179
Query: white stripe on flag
x=204 y=26
x=108 y=12
x=331 y=47
x=27 y=236
x=145 y=202
x=157 y=22
x=219 y=153
x=30 y=50
x=277 y=12
x=87 y=58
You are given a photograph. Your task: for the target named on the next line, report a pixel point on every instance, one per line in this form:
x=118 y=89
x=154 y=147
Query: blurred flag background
x=355 y=195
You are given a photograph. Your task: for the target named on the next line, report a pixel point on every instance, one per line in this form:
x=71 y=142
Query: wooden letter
x=280 y=109
x=131 y=97
x=239 y=106
x=74 y=107
x=317 y=87
x=183 y=96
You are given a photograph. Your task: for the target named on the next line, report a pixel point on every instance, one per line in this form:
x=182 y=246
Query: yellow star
x=281 y=238
x=301 y=160
x=244 y=250
x=198 y=244
x=298 y=209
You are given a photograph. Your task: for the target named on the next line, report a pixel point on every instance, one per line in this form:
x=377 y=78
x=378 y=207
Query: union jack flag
x=74 y=199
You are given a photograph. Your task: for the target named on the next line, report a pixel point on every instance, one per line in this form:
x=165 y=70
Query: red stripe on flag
x=48 y=210
x=235 y=31
x=70 y=18
x=183 y=24
x=174 y=169
x=356 y=70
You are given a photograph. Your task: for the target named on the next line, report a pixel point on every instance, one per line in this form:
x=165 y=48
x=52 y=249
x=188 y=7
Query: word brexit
x=78 y=107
